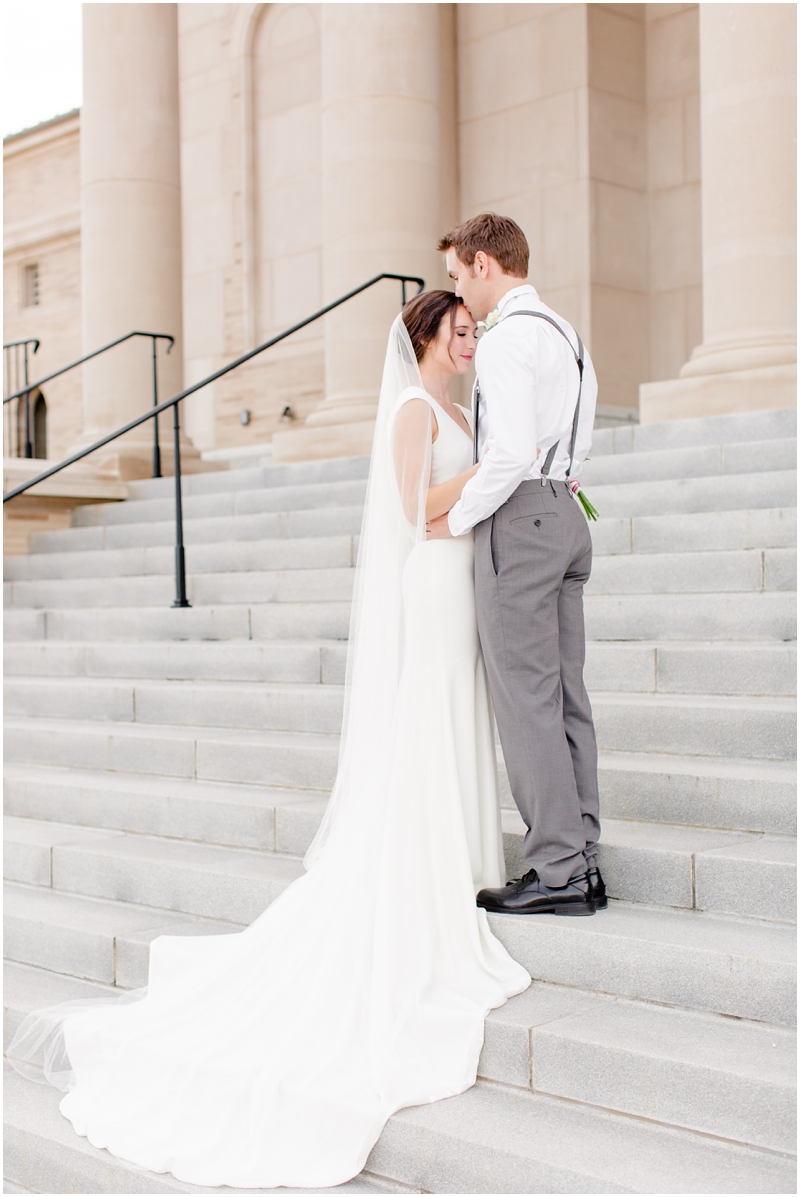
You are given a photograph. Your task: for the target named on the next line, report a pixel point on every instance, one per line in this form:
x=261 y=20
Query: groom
x=533 y=555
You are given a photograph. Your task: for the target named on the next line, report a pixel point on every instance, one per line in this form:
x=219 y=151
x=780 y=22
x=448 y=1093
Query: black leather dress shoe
x=597 y=887
x=530 y=895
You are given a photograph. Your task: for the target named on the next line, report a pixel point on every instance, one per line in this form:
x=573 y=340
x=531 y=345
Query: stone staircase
x=167 y=769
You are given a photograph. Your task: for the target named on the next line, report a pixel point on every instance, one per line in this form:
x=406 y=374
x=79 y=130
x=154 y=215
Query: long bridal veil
x=394 y=520
x=275 y=1056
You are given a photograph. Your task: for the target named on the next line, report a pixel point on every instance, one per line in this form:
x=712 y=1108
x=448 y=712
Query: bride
x=275 y=1056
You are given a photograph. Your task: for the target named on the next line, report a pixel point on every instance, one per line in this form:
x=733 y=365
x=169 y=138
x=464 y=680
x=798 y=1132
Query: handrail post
x=28 y=441
x=156 y=445
x=180 y=555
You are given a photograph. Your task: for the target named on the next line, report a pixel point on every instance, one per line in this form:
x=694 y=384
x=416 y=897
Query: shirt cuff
x=453 y=521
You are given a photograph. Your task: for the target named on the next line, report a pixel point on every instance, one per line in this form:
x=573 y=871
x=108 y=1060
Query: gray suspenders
x=548 y=461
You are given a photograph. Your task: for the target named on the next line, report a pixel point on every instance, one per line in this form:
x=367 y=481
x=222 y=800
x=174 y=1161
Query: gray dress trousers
x=532 y=560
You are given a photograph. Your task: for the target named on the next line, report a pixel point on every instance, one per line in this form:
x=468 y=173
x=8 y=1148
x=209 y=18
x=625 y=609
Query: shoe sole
x=571 y=910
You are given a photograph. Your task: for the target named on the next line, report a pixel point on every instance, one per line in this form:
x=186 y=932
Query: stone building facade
x=236 y=166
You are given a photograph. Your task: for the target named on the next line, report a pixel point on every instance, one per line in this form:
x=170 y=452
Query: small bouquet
x=589 y=510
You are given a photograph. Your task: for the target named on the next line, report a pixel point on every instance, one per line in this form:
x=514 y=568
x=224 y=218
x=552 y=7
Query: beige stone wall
x=553 y=131
x=618 y=228
x=42 y=227
x=747 y=358
x=251 y=221
x=582 y=121
x=211 y=119
x=523 y=145
x=673 y=137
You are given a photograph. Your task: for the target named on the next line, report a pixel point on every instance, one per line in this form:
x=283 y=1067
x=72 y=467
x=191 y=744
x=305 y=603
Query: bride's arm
x=441 y=498
x=414 y=431
x=411 y=452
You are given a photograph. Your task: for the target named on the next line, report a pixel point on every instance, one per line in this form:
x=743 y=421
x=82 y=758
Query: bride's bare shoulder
x=415 y=412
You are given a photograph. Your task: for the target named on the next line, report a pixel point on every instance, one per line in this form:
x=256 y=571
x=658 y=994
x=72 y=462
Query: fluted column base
x=319 y=442
x=131 y=457
x=762 y=389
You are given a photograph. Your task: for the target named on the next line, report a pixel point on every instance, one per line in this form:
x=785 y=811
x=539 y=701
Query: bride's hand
x=439 y=528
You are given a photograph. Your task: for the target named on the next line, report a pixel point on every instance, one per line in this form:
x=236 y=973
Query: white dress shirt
x=528 y=379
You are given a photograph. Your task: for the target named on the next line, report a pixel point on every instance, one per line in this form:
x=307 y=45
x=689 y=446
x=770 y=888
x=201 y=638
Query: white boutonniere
x=492 y=319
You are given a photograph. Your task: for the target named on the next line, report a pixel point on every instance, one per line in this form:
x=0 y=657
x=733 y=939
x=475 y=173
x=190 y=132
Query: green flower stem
x=589 y=509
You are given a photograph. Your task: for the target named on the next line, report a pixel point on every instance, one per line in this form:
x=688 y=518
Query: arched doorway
x=37 y=429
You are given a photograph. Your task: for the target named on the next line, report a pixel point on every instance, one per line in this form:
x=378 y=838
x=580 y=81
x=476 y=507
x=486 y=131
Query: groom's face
x=470 y=286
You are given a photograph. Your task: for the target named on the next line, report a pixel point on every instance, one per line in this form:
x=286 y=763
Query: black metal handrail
x=180 y=556
x=7 y=359
x=33 y=386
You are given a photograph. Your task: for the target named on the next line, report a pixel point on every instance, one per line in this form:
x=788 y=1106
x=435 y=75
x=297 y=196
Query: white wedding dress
x=275 y=1056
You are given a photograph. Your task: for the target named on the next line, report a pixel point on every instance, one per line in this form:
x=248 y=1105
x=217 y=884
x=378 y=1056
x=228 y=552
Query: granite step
x=729 y=965
x=661 y=667
x=213 y=529
x=683 y=495
x=284 y=759
x=88 y=938
x=276 y=706
x=692 y=868
x=238 y=815
x=728 y=617
x=735 y=428
x=661 y=864
x=731 y=1078
x=303 y=661
x=204 y=880
x=231 y=621
x=683 y=791
x=311 y=552
x=750 y=570
x=681 y=724
x=705 y=531
x=616 y=503
x=302 y=497
x=264 y=473
x=158 y=590
x=491 y=1139
x=678 y=957
x=770 y=527
x=723 y=1077
x=696 y=724
x=626 y=618
x=696 y=461
x=488 y=1140
x=709 y=791
x=733 y=792
x=612 y=539
x=742 y=571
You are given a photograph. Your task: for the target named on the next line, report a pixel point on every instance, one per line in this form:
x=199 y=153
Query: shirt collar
x=526 y=289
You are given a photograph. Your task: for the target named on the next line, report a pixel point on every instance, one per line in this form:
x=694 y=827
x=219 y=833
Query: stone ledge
x=48 y=507
x=718 y=394
x=324 y=441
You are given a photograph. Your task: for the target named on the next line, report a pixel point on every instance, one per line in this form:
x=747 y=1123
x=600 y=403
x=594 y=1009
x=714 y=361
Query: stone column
x=130 y=221
x=381 y=139
x=748 y=357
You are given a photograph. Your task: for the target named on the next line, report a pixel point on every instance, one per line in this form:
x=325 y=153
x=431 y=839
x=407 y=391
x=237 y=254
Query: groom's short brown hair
x=499 y=236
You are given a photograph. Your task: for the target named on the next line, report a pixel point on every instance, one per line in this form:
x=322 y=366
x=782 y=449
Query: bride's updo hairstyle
x=423 y=316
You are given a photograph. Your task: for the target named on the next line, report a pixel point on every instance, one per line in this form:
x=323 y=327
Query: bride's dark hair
x=423 y=315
